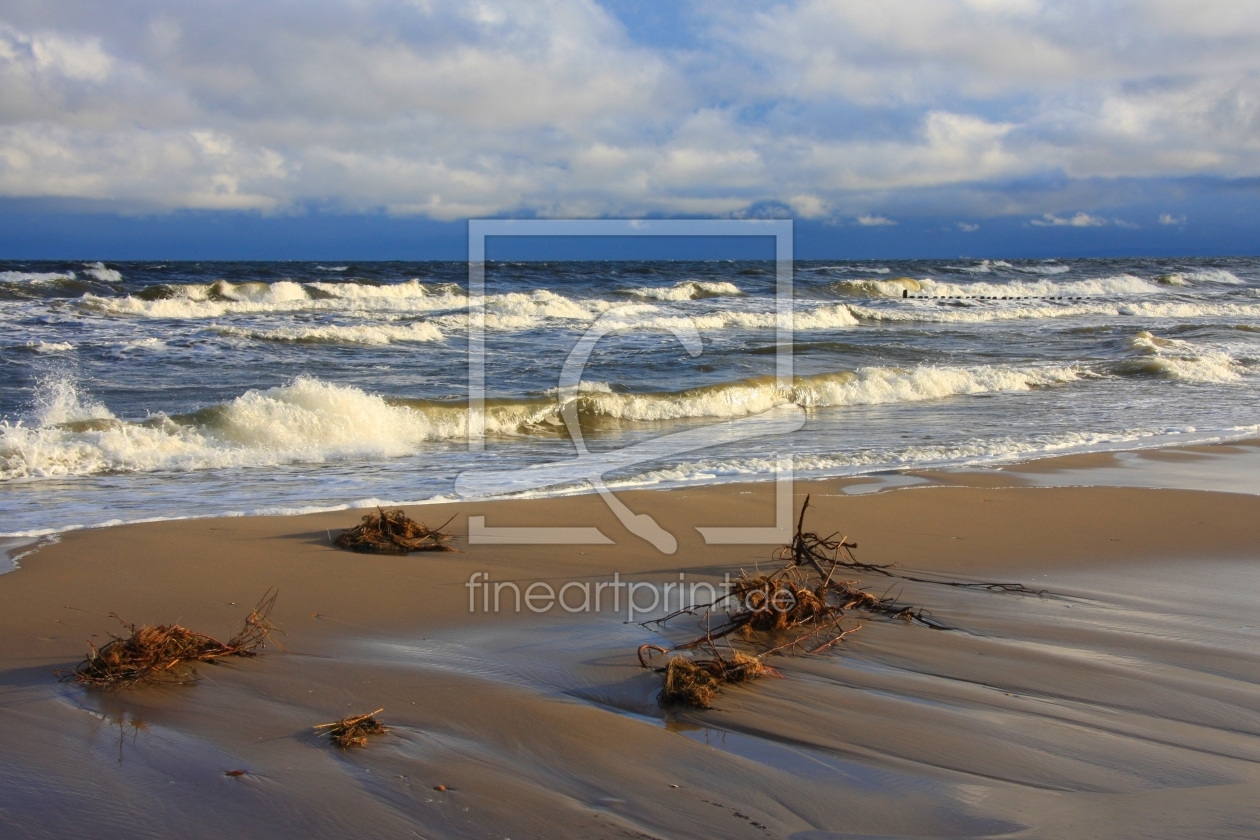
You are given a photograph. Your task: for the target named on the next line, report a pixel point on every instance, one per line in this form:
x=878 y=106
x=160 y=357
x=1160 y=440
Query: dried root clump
x=695 y=682
x=393 y=532
x=797 y=609
x=153 y=653
x=353 y=730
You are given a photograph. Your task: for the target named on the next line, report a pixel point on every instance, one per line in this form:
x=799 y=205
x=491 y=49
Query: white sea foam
x=1173 y=309
x=977 y=450
x=688 y=290
x=58 y=399
x=363 y=334
x=151 y=343
x=51 y=346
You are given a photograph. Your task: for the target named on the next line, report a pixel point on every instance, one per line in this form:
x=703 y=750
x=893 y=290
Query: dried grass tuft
x=695 y=682
x=353 y=730
x=393 y=532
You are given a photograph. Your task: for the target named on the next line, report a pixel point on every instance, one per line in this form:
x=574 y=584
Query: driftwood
x=154 y=653
x=827 y=554
x=392 y=532
x=353 y=730
x=798 y=609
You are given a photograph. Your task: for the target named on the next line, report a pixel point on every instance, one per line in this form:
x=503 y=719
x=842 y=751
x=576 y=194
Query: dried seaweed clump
x=353 y=730
x=155 y=653
x=695 y=682
x=393 y=532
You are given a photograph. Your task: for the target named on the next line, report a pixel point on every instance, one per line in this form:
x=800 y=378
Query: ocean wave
x=804 y=318
x=100 y=272
x=865 y=386
x=1123 y=284
x=1043 y=268
x=151 y=343
x=35 y=276
x=1203 y=275
x=965 y=312
x=687 y=290
x=982 y=267
x=365 y=334
x=306 y=421
x=215 y=300
x=50 y=346
x=877 y=288
x=1174 y=309
x=987 y=267
x=1176 y=359
x=311 y=421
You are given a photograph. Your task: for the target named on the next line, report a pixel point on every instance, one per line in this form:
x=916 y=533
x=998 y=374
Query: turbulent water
x=142 y=390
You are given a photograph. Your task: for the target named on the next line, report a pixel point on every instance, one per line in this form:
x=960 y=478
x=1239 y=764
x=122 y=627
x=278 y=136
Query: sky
x=310 y=129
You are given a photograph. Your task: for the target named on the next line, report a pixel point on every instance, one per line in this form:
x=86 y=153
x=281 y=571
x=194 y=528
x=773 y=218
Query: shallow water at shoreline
x=130 y=389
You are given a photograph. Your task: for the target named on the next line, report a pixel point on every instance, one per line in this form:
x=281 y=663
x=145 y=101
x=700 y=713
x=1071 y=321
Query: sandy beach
x=1122 y=703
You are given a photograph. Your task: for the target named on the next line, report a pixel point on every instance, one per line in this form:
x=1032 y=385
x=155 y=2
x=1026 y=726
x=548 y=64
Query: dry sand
x=1126 y=705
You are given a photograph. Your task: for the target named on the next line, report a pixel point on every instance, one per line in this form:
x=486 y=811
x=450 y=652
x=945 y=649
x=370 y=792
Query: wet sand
x=1124 y=703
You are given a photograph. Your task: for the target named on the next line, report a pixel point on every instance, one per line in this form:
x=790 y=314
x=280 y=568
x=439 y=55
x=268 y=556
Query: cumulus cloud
x=1170 y=219
x=557 y=108
x=874 y=221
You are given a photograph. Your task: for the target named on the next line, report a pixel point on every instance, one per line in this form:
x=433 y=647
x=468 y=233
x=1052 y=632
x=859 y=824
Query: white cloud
x=449 y=109
x=965 y=227
x=1081 y=219
x=1169 y=219
x=874 y=221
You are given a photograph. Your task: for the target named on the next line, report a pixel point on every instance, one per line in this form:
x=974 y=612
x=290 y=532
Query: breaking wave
x=215 y=300
x=966 y=312
x=1176 y=359
x=687 y=290
x=35 y=276
x=1123 y=284
x=364 y=334
x=311 y=421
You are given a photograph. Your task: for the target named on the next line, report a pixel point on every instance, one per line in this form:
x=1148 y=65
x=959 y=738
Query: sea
x=133 y=391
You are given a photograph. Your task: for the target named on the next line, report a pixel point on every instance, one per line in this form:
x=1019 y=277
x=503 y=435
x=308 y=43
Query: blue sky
x=361 y=130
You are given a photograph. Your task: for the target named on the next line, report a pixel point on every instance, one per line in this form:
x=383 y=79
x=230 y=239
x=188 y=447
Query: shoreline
x=1125 y=705
x=1090 y=464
